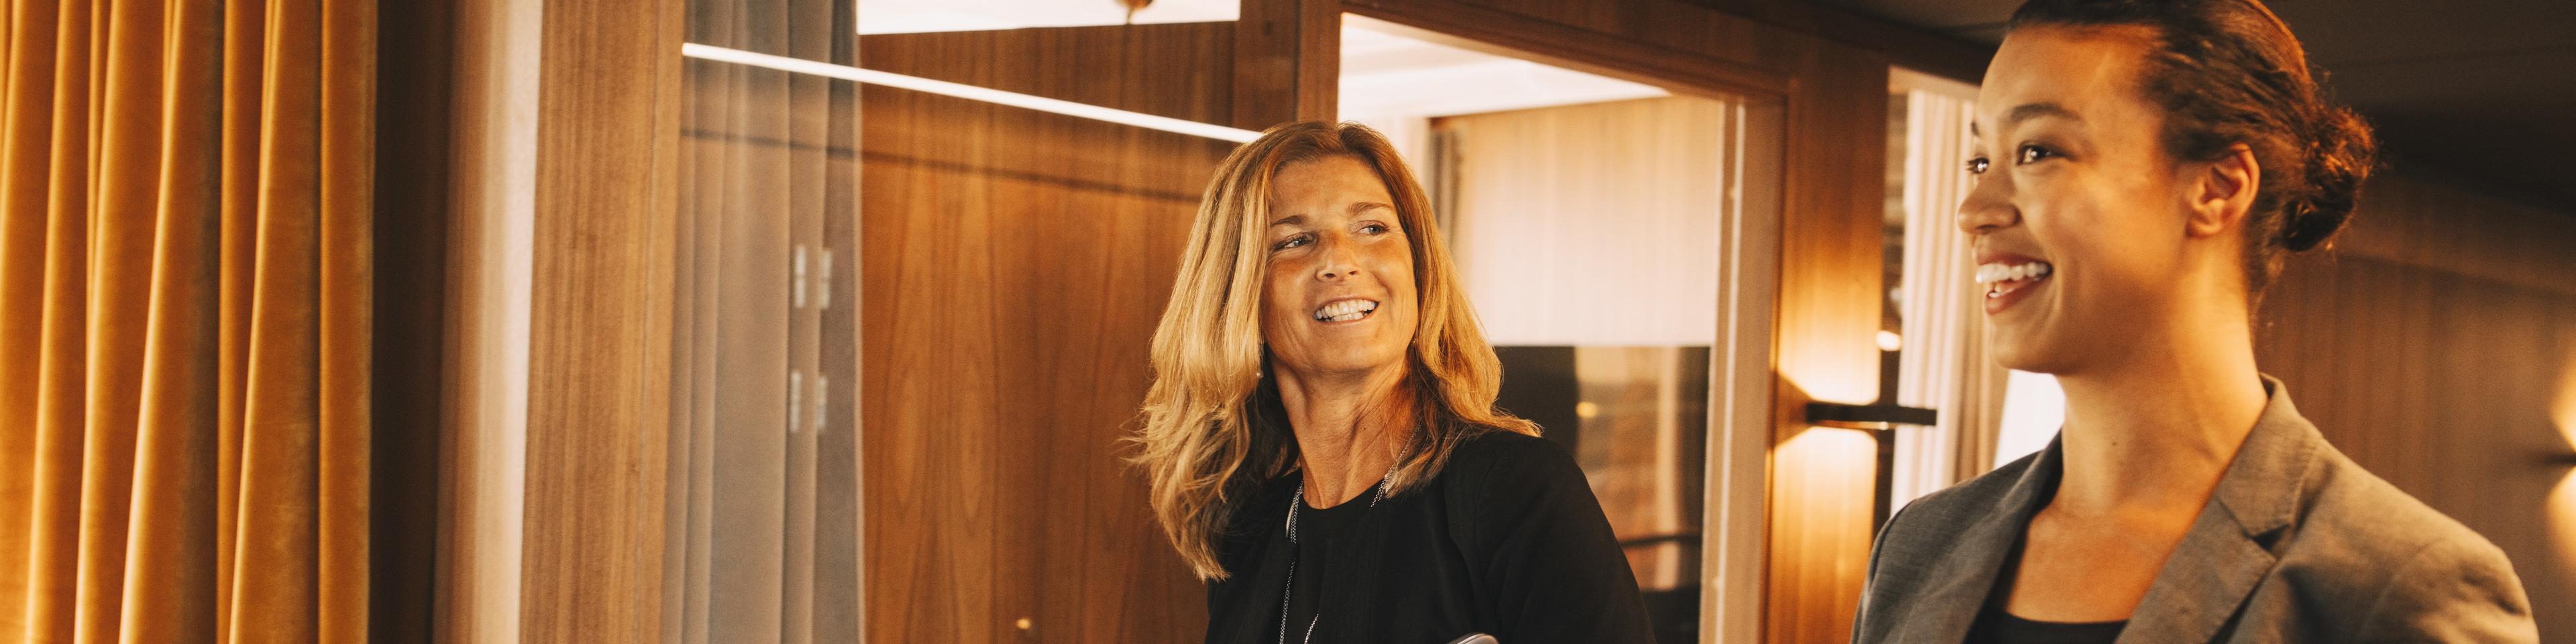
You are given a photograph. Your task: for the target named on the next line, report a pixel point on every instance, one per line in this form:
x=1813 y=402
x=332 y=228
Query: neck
x=1348 y=428
x=2156 y=432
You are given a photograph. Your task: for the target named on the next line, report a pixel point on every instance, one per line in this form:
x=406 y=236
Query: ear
x=2221 y=192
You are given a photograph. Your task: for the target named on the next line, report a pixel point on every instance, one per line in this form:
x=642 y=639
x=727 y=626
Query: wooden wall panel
x=1014 y=264
x=2438 y=349
x=1287 y=62
x=599 y=320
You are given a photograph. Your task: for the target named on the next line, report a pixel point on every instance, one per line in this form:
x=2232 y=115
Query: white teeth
x=1345 y=310
x=1992 y=273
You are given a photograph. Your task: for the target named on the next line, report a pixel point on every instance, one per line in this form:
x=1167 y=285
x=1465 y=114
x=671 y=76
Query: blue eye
x=1977 y=165
x=2033 y=154
x=1375 y=229
x=1291 y=242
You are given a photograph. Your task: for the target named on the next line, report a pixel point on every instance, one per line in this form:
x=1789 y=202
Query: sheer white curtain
x=762 y=517
x=1943 y=364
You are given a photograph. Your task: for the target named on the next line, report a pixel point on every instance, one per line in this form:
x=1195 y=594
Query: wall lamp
x=1881 y=420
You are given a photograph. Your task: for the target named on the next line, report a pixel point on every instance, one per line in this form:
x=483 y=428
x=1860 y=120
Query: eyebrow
x=1355 y=209
x=2028 y=111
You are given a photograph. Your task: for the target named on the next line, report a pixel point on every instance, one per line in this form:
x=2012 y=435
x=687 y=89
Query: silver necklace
x=1290 y=589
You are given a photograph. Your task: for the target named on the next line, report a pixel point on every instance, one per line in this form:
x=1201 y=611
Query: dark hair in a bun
x=2229 y=72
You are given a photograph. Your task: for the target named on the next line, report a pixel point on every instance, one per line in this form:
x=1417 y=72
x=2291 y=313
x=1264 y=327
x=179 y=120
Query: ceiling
x=1386 y=73
x=2480 y=90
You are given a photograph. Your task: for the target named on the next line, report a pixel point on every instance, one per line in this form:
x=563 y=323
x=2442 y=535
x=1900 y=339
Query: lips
x=2007 y=278
x=1345 y=310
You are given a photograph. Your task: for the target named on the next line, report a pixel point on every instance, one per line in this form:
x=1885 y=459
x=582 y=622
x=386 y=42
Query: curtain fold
x=1944 y=364
x=762 y=513
x=185 y=231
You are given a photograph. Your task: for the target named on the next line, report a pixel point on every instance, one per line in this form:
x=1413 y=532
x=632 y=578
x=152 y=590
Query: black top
x=1317 y=530
x=1507 y=540
x=1995 y=625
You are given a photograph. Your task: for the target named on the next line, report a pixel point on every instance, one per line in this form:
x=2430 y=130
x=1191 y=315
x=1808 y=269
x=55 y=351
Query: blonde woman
x=1321 y=438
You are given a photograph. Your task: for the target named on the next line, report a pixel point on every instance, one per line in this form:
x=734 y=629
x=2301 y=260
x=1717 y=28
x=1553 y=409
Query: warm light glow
x=2560 y=510
x=2564 y=411
x=1890 y=341
x=1846 y=456
x=968 y=92
x=1586 y=410
x=2559 y=522
x=1824 y=487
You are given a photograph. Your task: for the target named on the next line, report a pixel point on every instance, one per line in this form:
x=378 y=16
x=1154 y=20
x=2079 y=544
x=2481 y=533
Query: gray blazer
x=2298 y=544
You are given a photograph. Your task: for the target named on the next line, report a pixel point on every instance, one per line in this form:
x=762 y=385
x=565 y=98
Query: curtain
x=763 y=517
x=1943 y=364
x=184 y=292
x=1595 y=224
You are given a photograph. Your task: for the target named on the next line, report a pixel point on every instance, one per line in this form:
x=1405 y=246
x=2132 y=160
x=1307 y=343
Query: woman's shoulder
x=2348 y=512
x=2363 y=538
x=1498 y=475
x=1496 y=456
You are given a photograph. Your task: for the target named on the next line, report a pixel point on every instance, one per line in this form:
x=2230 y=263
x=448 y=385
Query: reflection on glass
x=1636 y=419
x=1584 y=217
x=763 y=460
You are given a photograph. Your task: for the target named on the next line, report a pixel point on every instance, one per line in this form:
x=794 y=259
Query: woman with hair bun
x=2143 y=167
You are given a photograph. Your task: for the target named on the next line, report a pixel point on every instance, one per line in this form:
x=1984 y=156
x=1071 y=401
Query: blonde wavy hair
x=1213 y=429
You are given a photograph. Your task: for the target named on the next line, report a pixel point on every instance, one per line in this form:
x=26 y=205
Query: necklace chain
x=1290 y=589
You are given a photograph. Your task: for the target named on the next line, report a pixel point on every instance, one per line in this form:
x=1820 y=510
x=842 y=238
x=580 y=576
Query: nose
x=1988 y=206
x=1338 y=261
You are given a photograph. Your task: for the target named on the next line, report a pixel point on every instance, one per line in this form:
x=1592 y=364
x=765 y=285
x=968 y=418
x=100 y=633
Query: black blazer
x=1507 y=540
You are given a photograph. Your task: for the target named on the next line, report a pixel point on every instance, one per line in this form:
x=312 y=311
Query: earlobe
x=2223 y=193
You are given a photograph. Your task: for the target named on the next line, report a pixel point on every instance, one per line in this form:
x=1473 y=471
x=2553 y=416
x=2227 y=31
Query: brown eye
x=1977 y=165
x=2033 y=154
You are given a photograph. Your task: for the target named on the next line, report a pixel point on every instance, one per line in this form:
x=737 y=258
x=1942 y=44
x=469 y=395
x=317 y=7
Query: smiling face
x=1338 y=296
x=2078 y=215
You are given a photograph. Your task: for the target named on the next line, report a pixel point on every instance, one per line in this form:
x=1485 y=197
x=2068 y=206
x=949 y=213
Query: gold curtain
x=185 y=260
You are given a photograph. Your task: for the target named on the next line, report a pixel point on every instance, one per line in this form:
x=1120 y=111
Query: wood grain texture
x=599 y=343
x=1287 y=62
x=2438 y=350
x=1014 y=264
x=1913 y=47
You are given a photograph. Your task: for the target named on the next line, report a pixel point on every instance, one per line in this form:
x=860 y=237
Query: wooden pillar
x=558 y=343
x=1287 y=62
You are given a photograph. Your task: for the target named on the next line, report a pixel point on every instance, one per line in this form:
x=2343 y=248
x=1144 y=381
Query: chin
x=2020 y=351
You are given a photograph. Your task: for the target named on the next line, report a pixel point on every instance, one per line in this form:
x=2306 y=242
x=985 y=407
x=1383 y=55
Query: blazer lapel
x=1967 y=575
x=2228 y=550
